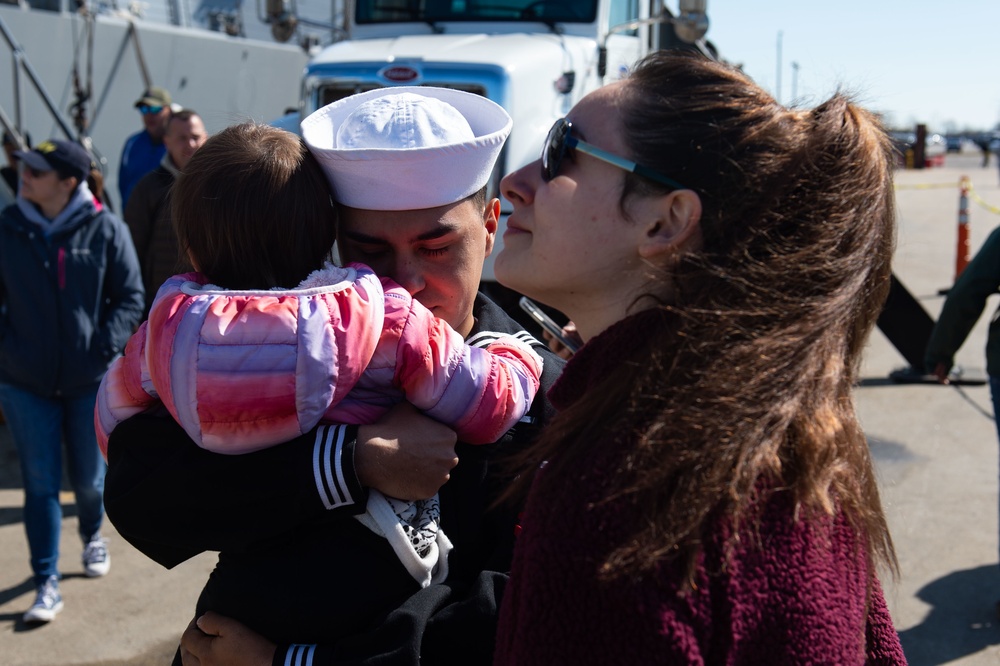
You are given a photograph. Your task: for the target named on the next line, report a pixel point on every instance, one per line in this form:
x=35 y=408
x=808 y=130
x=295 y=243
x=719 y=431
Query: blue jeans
x=38 y=427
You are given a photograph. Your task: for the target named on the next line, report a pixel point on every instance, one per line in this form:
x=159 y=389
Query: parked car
x=955 y=143
x=935 y=147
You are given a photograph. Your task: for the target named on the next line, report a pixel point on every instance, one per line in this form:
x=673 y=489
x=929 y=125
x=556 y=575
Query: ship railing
x=23 y=69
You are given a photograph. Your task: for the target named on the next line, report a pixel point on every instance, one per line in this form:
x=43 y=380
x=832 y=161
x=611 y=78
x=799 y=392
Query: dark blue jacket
x=68 y=302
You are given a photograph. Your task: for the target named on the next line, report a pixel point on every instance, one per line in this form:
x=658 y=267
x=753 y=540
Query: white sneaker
x=48 y=602
x=96 y=560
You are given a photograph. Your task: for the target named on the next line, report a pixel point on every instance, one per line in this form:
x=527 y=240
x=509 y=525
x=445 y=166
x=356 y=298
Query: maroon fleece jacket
x=800 y=596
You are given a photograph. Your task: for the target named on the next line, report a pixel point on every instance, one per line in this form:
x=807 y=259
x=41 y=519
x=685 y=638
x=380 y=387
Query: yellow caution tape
x=972 y=192
x=979 y=200
x=924 y=186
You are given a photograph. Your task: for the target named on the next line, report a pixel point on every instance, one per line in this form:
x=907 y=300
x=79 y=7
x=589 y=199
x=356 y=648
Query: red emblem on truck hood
x=399 y=73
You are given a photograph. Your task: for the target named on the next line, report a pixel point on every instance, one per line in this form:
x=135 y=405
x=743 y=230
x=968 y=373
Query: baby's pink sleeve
x=481 y=393
x=121 y=394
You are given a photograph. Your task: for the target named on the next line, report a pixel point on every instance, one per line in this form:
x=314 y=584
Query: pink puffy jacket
x=244 y=370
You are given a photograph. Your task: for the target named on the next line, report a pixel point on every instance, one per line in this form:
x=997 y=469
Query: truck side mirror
x=689 y=26
x=692 y=22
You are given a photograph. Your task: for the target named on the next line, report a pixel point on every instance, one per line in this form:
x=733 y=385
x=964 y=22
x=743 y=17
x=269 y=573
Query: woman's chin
x=508 y=272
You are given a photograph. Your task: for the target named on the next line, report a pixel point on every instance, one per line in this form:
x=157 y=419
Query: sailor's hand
x=216 y=640
x=405 y=454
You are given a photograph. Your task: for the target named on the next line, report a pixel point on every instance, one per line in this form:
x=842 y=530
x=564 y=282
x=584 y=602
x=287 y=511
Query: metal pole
x=18 y=97
x=777 y=80
x=134 y=33
x=111 y=76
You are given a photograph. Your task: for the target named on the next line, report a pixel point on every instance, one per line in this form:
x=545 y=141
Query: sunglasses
x=559 y=141
x=146 y=109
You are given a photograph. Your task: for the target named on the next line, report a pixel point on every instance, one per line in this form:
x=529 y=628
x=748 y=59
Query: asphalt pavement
x=935 y=449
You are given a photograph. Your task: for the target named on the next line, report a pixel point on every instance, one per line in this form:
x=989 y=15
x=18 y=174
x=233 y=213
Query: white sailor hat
x=407 y=148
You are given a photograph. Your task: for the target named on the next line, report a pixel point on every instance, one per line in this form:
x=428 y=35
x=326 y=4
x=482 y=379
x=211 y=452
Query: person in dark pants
x=71 y=296
x=984 y=146
x=962 y=309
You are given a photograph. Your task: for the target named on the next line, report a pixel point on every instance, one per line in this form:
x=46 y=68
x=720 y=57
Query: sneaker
x=48 y=602
x=96 y=560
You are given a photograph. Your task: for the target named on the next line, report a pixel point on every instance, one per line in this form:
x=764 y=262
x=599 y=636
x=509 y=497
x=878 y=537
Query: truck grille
x=332 y=93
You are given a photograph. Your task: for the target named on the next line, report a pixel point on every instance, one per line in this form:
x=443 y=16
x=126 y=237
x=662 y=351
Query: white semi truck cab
x=536 y=58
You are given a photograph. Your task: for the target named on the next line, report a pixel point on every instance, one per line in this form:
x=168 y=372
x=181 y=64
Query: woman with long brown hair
x=707 y=493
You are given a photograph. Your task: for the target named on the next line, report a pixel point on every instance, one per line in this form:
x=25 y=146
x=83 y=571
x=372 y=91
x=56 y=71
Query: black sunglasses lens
x=555 y=148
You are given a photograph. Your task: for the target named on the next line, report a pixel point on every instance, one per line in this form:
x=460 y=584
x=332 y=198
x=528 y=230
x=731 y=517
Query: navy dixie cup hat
x=407 y=148
x=66 y=157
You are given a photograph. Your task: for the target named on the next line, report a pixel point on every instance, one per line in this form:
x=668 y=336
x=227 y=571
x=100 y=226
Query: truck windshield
x=546 y=11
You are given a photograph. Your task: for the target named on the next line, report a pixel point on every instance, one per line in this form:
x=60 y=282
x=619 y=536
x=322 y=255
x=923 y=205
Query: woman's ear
x=674 y=223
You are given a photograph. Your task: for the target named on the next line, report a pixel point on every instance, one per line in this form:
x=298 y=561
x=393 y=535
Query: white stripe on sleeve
x=327 y=471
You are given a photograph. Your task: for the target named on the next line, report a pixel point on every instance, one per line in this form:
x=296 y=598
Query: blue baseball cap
x=66 y=157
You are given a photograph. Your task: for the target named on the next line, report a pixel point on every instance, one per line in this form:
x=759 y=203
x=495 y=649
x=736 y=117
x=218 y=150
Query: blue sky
x=913 y=60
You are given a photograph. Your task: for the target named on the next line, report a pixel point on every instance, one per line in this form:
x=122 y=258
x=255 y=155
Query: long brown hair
x=253 y=209
x=750 y=390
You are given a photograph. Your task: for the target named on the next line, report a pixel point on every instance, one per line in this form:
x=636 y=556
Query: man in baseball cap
x=153 y=97
x=144 y=149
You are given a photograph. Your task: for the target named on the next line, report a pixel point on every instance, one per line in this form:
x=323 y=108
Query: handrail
x=21 y=63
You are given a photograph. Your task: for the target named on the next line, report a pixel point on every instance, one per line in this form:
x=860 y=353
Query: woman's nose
x=517 y=186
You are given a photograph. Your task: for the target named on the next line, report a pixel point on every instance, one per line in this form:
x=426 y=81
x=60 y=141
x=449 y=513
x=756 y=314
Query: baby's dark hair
x=253 y=209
